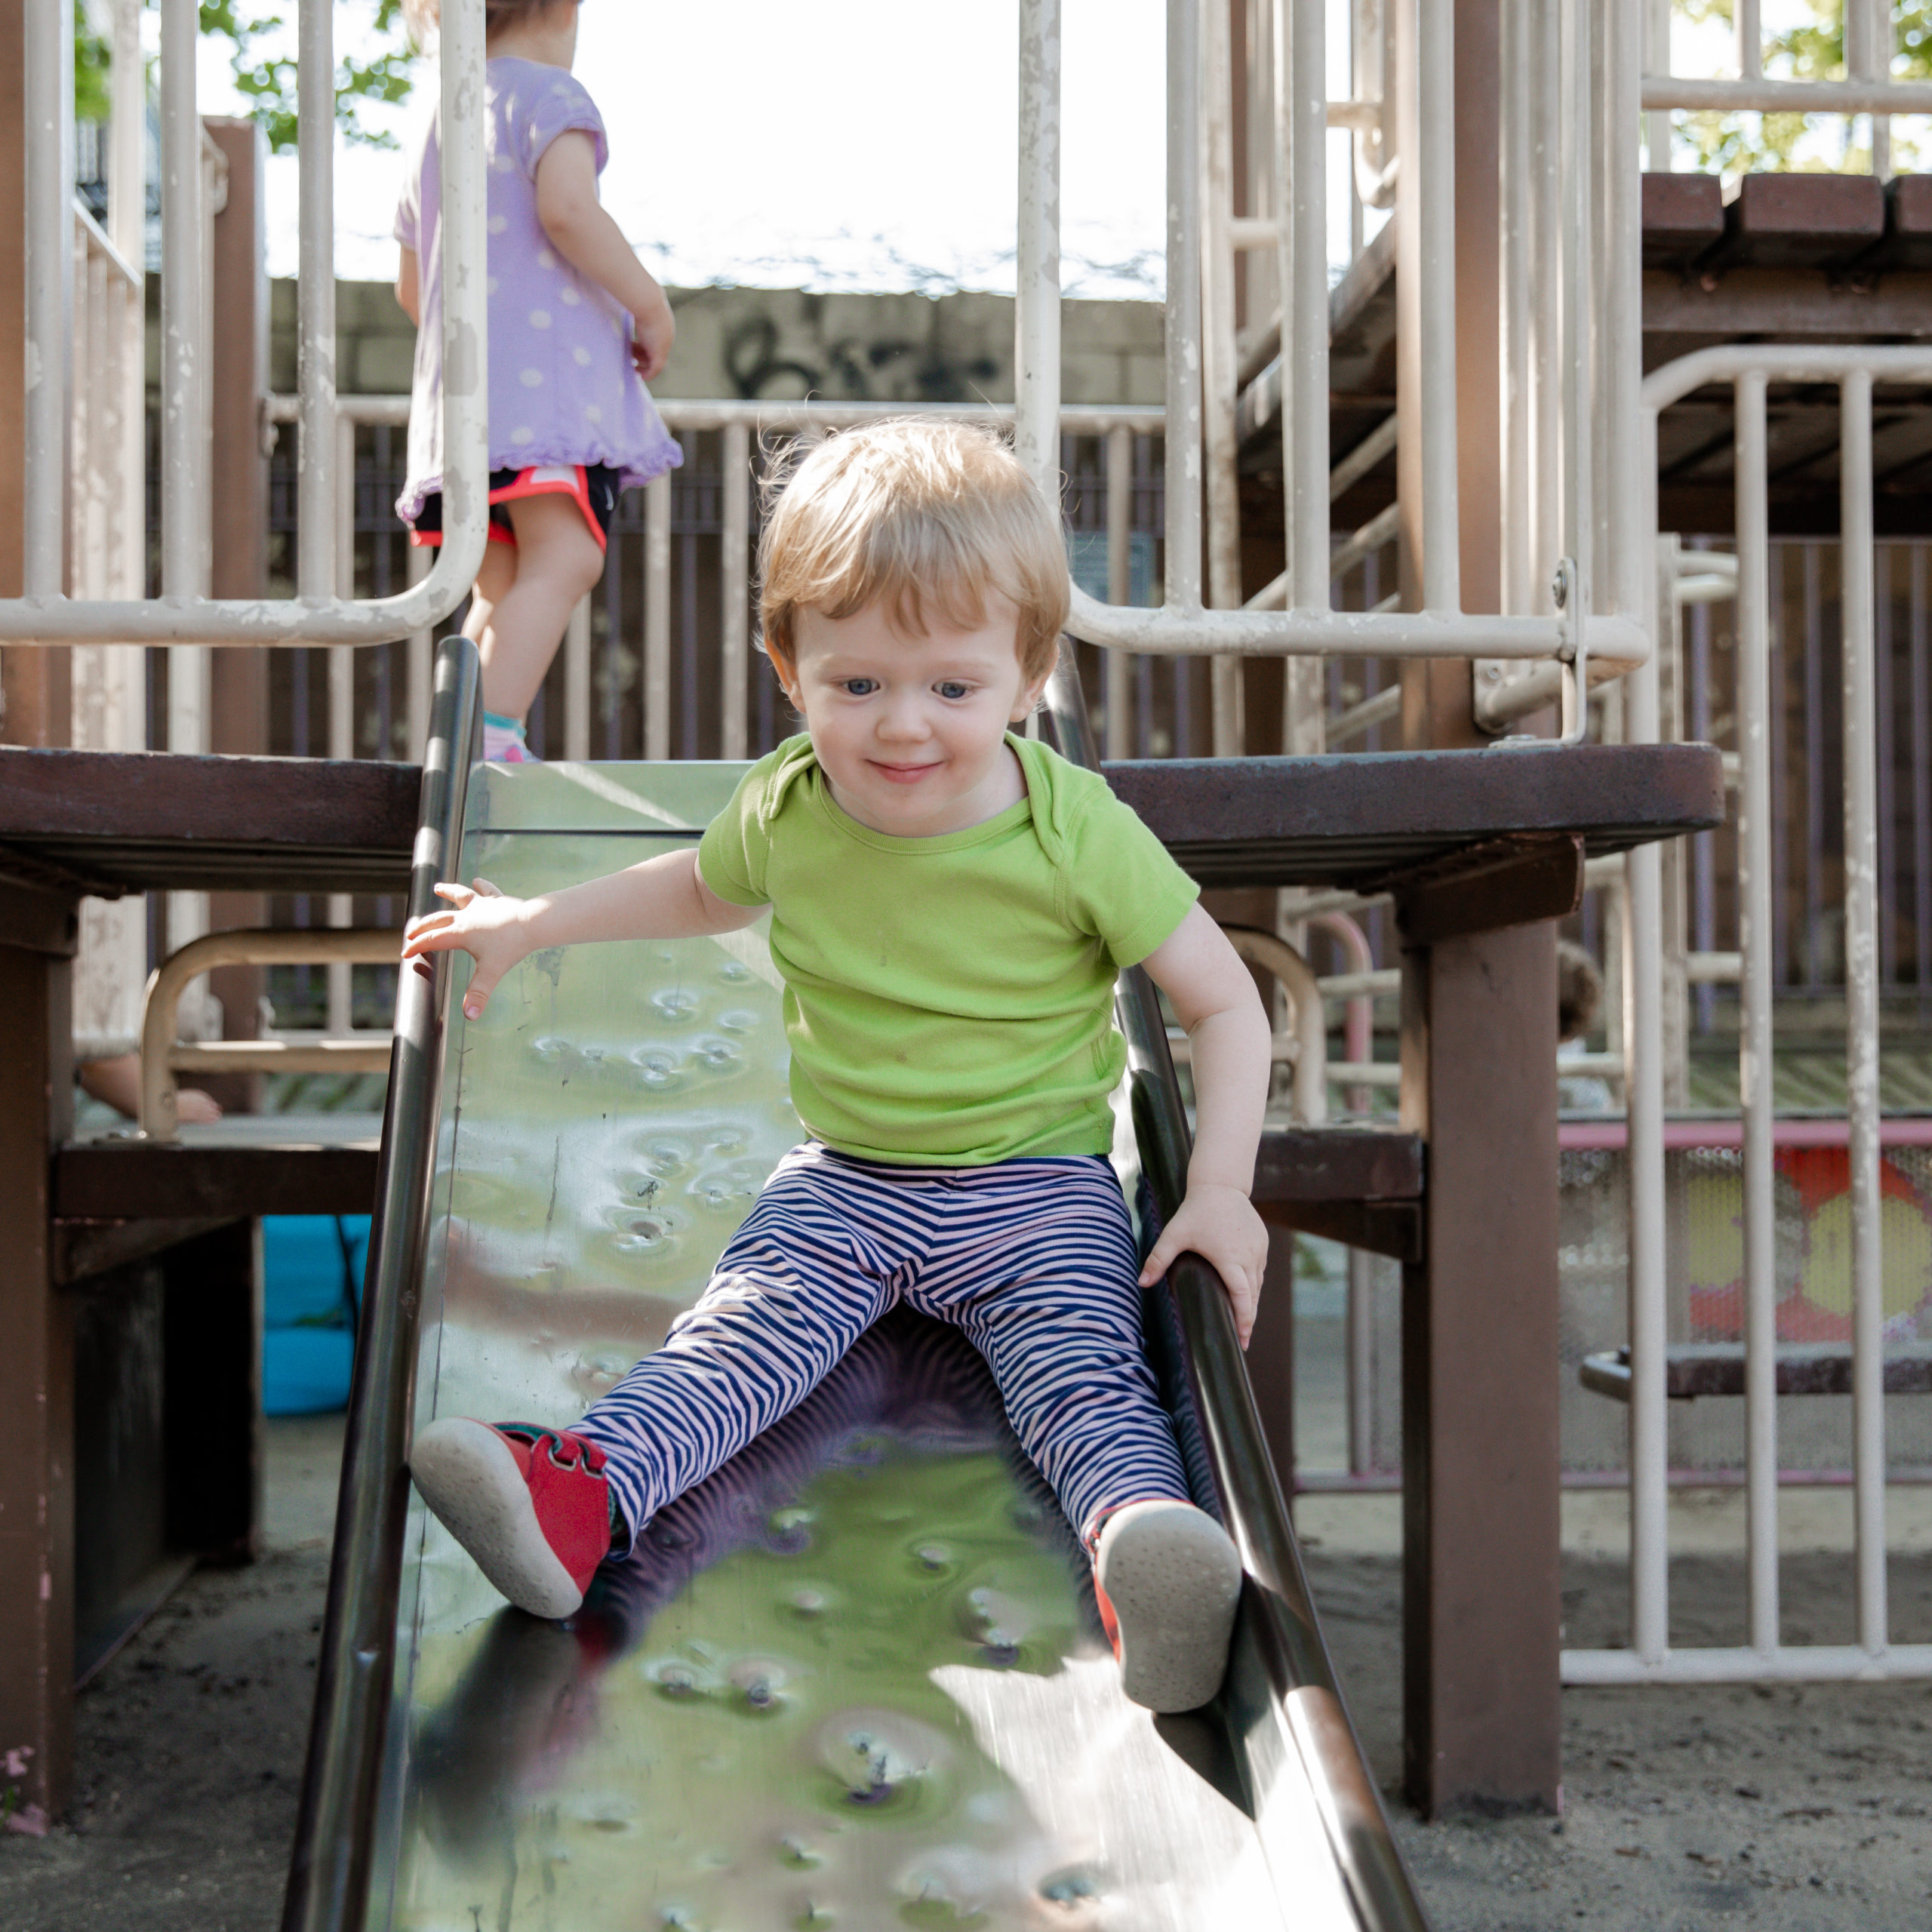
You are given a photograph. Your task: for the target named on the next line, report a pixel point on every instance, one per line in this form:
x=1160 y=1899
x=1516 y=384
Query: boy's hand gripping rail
x=329 y=1880
x=316 y=615
x=1283 y=1704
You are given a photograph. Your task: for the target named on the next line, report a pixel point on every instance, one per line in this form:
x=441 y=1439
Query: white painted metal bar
x=776 y=416
x=1431 y=195
x=421 y=672
x=1119 y=445
x=336 y=528
x=317 y=571
x=48 y=95
x=1861 y=722
x=1626 y=445
x=1782 y=362
x=1755 y=913
x=1181 y=572
x=1219 y=360
x=1036 y=312
x=1798 y=1663
x=162 y=1057
x=1301 y=78
x=734 y=592
x=1764 y=97
x=183 y=374
x=1750 y=31
x=576 y=681
x=182 y=616
x=657 y=618
x=1625 y=573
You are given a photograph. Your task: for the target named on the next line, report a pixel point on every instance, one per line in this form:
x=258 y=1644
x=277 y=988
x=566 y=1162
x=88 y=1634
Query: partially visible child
x=951 y=905
x=577 y=325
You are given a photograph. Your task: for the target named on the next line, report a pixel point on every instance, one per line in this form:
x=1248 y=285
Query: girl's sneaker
x=531 y=1505
x=504 y=743
x=1167 y=1578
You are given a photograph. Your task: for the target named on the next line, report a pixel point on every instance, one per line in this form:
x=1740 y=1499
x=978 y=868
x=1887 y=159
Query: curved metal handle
x=161 y=1060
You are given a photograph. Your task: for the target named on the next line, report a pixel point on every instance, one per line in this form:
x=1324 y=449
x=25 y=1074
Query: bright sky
x=867 y=144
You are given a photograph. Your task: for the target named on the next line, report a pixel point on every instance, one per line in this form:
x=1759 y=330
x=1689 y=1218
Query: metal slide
x=857 y=1678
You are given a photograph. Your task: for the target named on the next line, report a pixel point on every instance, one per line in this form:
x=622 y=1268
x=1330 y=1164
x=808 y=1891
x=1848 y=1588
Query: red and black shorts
x=593 y=486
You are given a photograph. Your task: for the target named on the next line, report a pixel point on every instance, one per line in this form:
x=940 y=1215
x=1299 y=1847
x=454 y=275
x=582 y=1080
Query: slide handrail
x=1282 y=1699
x=329 y=1873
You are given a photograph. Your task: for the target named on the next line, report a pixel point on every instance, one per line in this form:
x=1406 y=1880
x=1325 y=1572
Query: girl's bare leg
x=519 y=620
x=493 y=581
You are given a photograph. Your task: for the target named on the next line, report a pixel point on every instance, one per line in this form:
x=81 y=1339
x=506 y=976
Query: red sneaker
x=531 y=1505
x=1167 y=1578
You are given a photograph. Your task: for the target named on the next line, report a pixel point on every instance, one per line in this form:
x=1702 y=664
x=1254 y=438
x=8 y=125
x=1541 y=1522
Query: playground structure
x=1502 y=491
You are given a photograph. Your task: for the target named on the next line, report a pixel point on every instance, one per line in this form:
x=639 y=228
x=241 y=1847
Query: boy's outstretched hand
x=483 y=923
x=1219 y=1223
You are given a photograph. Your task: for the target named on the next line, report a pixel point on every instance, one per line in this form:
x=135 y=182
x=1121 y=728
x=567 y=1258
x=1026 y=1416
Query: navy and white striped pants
x=1032 y=1259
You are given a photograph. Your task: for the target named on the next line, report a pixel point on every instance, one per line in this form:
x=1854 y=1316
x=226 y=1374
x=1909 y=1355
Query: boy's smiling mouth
x=902 y=775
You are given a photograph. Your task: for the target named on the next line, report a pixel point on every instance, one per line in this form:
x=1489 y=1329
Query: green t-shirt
x=949 y=1000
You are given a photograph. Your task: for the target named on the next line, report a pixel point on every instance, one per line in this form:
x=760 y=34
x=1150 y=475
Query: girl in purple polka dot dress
x=577 y=325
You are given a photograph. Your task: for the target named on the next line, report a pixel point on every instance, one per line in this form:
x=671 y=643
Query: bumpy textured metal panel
x=854 y=1680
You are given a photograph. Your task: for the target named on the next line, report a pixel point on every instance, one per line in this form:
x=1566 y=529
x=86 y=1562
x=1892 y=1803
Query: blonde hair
x=422 y=18
x=923 y=515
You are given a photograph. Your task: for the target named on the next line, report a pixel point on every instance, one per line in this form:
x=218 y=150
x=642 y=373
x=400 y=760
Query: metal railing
x=750 y=434
x=1870 y=40
x=164 y=1055
x=1602 y=616
x=1749 y=370
x=52 y=611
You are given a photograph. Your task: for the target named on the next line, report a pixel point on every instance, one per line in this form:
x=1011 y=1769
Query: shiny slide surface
x=857 y=1678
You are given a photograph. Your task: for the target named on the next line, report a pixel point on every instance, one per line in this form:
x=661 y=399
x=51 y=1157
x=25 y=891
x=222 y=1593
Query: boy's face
x=909 y=729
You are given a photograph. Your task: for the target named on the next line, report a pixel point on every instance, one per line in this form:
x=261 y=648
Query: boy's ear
x=788 y=677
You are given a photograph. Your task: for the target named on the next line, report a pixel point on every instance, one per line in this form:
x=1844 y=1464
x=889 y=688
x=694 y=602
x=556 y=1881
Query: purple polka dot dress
x=563 y=388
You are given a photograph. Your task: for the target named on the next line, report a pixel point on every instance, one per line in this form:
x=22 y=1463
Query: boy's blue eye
x=858 y=687
x=953 y=688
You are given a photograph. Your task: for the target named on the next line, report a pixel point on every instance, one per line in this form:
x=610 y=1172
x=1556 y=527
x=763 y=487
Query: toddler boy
x=951 y=903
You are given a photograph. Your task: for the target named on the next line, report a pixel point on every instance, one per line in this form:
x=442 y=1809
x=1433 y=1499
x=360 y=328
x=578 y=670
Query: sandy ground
x=1801 y=1808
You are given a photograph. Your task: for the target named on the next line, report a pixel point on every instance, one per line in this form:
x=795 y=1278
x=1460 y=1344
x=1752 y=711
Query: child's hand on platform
x=1219 y=1223
x=485 y=925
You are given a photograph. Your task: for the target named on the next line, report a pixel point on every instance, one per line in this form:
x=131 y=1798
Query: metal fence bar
x=318 y=569
x=1220 y=367
x=734 y=573
x=1119 y=444
x=657 y=619
x=1755 y=1064
x=576 y=683
x=1857 y=597
x=183 y=615
x=1181 y=577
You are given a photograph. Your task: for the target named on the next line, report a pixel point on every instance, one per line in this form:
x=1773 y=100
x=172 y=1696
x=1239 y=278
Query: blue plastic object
x=312 y=1291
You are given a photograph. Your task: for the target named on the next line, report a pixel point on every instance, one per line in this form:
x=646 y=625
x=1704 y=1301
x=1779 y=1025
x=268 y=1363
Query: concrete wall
x=783 y=343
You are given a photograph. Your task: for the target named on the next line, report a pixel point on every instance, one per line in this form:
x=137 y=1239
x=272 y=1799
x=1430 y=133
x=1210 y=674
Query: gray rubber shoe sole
x=1174 y=1578
x=469 y=1478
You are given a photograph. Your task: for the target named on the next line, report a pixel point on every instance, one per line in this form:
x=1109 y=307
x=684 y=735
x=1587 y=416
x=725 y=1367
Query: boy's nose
x=903 y=718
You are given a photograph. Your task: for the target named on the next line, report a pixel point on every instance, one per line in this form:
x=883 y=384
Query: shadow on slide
x=856 y=1678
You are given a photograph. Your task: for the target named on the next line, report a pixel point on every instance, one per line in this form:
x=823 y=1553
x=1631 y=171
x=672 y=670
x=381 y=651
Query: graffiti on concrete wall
x=766 y=362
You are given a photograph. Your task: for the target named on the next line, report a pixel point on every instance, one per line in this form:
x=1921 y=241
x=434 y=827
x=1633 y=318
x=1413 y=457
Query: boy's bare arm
x=1214 y=998
x=586 y=238
x=663 y=898
x=409 y=286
